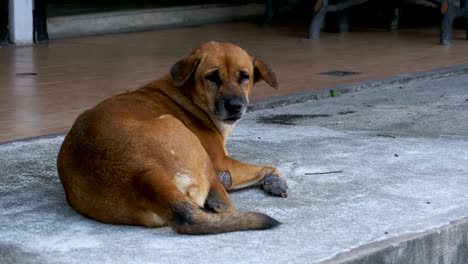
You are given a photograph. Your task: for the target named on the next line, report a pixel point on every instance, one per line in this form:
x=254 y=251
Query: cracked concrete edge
x=447 y=244
x=301 y=97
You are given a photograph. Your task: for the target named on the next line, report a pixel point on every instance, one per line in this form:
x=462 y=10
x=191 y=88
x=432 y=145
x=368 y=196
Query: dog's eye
x=243 y=77
x=213 y=77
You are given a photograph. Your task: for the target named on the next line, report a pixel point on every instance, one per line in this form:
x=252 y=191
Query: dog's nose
x=233 y=106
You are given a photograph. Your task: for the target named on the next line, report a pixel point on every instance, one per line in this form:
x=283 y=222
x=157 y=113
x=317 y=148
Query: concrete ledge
x=400 y=196
x=448 y=244
x=302 y=97
x=146 y=19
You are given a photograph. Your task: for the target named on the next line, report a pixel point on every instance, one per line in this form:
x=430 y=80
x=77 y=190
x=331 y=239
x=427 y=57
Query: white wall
x=21 y=21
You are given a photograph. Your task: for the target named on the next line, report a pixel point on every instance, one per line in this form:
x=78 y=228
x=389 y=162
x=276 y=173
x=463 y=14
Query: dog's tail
x=190 y=219
x=184 y=216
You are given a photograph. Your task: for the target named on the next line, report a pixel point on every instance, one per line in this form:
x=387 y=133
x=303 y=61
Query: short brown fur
x=152 y=156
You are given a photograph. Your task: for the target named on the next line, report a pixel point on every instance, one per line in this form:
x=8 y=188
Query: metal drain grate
x=339 y=73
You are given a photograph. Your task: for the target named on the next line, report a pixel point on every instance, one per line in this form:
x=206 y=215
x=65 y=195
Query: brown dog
x=156 y=156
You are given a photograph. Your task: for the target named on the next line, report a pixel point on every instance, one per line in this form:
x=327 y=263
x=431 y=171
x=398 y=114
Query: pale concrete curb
x=400 y=197
x=301 y=97
x=448 y=244
x=147 y=19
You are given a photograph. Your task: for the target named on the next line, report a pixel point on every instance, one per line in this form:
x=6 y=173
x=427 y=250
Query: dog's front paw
x=274 y=185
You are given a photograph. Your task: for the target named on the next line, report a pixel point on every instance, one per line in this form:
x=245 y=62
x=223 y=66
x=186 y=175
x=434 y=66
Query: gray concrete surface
x=401 y=195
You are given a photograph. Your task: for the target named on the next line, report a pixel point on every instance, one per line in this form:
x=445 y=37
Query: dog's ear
x=183 y=69
x=263 y=72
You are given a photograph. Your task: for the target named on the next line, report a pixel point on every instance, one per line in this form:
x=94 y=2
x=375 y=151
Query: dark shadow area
x=10 y=253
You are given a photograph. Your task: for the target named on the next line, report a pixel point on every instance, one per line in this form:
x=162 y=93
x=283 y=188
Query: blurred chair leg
x=40 y=22
x=395 y=23
x=464 y=7
x=320 y=11
x=3 y=23
x=344 y=26
x=448 y=15
x=271 y=6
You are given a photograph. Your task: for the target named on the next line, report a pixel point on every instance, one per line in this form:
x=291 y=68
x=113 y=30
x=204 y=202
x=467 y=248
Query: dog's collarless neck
x=180 y=99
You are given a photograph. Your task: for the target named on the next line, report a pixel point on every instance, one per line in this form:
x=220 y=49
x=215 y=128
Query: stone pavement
x=375 y=176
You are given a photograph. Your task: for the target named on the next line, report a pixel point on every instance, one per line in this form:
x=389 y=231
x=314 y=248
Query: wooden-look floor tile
x=44 y=87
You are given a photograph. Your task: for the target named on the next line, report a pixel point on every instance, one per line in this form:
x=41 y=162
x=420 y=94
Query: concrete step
x=147 y=19
x=376 y=176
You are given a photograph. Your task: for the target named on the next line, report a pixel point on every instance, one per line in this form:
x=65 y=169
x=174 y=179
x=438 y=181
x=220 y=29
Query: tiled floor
x=71 y=75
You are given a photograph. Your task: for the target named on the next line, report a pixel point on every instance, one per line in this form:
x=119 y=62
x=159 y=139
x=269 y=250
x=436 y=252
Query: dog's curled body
x=152 y=157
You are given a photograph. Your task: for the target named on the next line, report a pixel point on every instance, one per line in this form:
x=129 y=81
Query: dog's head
x=218 y=77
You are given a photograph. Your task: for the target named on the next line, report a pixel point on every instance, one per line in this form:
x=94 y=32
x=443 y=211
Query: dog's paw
x=225 y=179
x=274 y=185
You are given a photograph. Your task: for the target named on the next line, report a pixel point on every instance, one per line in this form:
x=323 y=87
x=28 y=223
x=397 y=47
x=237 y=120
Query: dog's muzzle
x=231 y=109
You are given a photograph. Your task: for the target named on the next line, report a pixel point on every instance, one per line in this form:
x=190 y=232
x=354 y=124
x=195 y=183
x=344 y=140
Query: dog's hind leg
x=160 y=195
x=218 y=199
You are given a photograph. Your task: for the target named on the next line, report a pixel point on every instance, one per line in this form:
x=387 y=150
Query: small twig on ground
x=382 y=135
x=325 y=172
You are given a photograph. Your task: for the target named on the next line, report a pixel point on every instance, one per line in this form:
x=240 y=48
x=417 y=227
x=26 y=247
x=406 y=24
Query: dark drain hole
x=346 y=112
x=287 y=119
x=24 y=74
x=339 y=73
